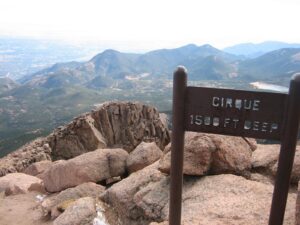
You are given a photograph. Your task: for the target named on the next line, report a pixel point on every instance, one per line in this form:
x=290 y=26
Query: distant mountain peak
x=193 y=47
x=189 y=46
x=110 y=51
x=252 y=50
x=107 y=52
x=207 y=46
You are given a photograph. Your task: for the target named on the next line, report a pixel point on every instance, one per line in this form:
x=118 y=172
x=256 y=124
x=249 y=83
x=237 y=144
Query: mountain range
x=251 y=50
x=38 y=102
x=115 y=65
x=203 y=63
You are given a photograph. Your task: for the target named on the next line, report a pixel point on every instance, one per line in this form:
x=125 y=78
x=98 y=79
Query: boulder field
x=111 y=167
x=113 y=125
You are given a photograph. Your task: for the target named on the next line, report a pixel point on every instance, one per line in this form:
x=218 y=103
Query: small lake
x=271 y=87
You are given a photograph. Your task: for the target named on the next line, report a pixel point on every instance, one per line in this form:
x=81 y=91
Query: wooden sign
x=239 y=113
x=234 y=112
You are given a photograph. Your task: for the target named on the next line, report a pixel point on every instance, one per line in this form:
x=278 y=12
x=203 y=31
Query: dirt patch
x=21 y=209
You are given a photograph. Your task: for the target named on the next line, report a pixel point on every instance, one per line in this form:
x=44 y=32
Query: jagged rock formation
x=128 y=124
x=113 y=125
x=77 y=137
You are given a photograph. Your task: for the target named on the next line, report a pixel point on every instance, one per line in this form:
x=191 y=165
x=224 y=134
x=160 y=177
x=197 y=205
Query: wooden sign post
x=238 y=113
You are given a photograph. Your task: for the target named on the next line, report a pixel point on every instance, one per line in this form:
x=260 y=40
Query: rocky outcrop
x=20 y=159
x=93 y=166
x=88 y=151
x=20 y=183
x=143 y=197
x=81 y=212
x=143 y=155
x=51 y=203
x=212 y=154
x=113 y=125
x=126 y=124
x=78 y=137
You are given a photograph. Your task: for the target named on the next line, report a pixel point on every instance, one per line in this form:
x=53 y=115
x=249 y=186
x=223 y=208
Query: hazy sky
x=154 y=23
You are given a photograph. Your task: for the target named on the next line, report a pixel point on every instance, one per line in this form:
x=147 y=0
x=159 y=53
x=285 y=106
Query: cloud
x=220 y=23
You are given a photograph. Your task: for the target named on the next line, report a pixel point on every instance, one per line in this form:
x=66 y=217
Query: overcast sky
x=154 y=23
